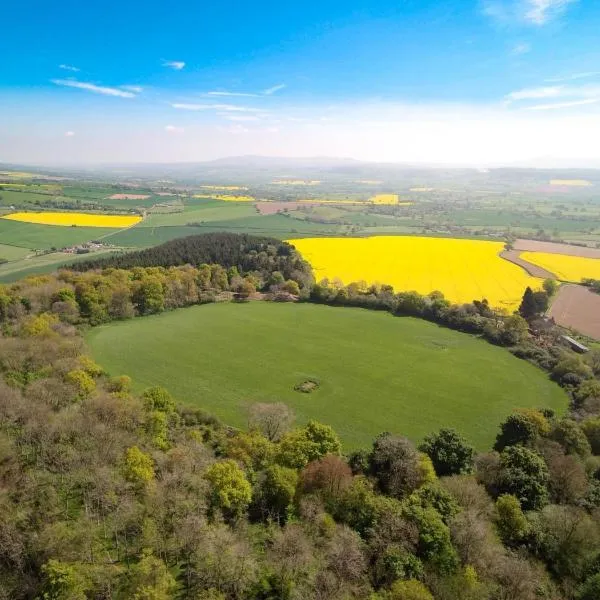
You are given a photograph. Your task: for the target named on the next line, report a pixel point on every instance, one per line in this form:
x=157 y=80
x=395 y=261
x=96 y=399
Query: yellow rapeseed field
x=572 y=182
x=463 y=270
x=567 y=268
x=384 y=199
x=68 y=219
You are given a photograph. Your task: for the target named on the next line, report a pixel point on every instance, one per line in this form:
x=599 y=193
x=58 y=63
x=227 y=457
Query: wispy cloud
x=177 y=65
x=533 y=12
x=540 y=12
x=273 y=89
x=239 y=118
x=136 y=89
x=536 y=93
x=173 y=129
x=238 y=94
x=96 y=89
x=69 y=68
x=520 y=48
x=574 y=76
x=558 y=105
x=69 y=133
x=575 y=92
x=223 y=107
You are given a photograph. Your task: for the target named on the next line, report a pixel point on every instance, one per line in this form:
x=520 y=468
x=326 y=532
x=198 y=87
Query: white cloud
x=69 y=133
x=224 y=107
x=273 y=89
x=177 y=65
x=536 y=93
x=239 y=94
x=239 y=118
x=558 y=105
x=520 y=48
x=69 y=68
x=574 y=76
x=91 y=87
x=540 y=12
x=533 y=12
x=575 y=93
x=136 y=89
x=174 y=129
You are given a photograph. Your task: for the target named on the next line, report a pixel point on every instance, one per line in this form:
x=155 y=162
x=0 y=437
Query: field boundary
x=514 y=256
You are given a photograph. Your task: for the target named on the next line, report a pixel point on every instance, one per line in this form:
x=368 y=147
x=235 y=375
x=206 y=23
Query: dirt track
x=575 y=306
x=553 y=248
x=514 y=256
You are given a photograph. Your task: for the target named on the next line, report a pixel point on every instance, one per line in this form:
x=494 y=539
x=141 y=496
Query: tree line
x=110 y=494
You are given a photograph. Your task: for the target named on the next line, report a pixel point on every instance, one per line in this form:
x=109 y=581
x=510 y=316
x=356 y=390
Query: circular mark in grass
x=307 y=386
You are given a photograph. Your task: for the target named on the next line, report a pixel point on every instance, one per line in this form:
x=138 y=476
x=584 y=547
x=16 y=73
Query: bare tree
x=272 y=420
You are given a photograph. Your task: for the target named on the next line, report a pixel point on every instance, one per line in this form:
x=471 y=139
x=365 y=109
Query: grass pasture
x=41 y=237
x=376 y=372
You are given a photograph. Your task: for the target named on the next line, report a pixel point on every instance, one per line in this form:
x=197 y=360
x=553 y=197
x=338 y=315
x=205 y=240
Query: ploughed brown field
x=577 y=307
x=271 y=208
x=554 y=248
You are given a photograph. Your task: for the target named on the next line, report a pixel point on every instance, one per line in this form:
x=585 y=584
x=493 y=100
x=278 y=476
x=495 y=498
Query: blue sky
x=458 y=81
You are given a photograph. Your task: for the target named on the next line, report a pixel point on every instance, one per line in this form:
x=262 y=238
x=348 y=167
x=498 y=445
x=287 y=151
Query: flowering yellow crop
x=572 y=182
x=68 y=219
x=567 y=268
x=385 y=199
x=463 y=270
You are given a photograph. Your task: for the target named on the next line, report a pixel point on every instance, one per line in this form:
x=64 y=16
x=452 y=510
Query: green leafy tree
x=83 y=382
x=157 y=398
x=524 y=474
x=512 y=524
x=589 y=589
x=514 y=330
x=138 y=467
x=550 y=287
x=298 y=448
x=434 y=545
x=64 y=581
x=449 y=452
x=517 y=429
x=149 y=579
x=591 y=429
x=411 y=589
x=528 y=306
x=231 y=490
x=571 y=437
x=277 y=491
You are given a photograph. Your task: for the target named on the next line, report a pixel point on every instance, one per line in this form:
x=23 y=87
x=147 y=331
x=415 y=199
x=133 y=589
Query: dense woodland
x=105 y=494
x=242 y=251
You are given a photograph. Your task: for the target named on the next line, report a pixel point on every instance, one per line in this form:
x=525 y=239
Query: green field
x=376 y=372
x=42 y=237
x=13 y=253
